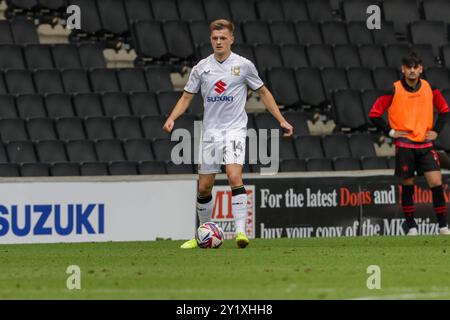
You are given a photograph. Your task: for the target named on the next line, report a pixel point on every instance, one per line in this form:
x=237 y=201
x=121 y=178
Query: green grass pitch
x=316 y=268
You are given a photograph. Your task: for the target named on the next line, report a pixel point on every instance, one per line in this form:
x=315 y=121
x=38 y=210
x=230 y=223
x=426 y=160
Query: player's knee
x=204 y=189
x=235 y=179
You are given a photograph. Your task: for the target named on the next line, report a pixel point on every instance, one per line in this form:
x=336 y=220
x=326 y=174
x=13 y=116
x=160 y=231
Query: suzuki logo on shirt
x=220 y=87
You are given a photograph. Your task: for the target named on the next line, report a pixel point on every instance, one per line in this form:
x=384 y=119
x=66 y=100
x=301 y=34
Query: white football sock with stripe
x=204 y=209
x=239 y=207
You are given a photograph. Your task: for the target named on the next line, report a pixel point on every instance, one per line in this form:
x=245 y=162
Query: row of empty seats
x=160 y=167
x=90 y=125
x=323 y=56
x=107 y=148
x=314 y=87
x=57 y=56
x=84 y=81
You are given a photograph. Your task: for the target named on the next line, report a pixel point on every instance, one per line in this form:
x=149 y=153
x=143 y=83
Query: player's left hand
x=431 y=135
x=288 y=129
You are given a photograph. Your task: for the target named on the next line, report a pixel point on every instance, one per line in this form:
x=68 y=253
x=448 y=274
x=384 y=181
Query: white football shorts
x=221 y=147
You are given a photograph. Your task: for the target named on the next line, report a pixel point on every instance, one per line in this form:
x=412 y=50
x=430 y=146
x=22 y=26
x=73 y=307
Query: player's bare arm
x=181 y=107
x=268 y=100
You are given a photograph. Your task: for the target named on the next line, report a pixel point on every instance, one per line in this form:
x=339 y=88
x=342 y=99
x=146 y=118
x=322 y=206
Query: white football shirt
x=223 y=87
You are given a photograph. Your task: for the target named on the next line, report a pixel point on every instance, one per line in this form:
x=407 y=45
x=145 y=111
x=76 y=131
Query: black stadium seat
x=269 y=10
x=346 y=164
x=152 y=167
x=81 y=151
x=94 y=169
x=394 y=54
x=9 y=170
x=401 y=12
x=21 y=152
x=104 y=80
x=191 y=10
x=333 y=79
x=40 y=129
x=158 y=79
x=292 y=165
x=334 y=32
x=88 y=105
x=320 y=56
x=99 y=128
x=309 y=147
x=127 y=128
x=356 y=10
x=360 y=78
x=294 y=56
x=319 y=10
x=138 y=10
x=308 y=32
x=216 y=9
x=282 y=84
x=299 y=121
x=8 y=109
x=242 y=10
x=6 y=36
x=336 y=145
x=59 y=105
x=51 y=151
x=138 y=150
x=24 y=31
x=64 y=169
x=361 y=145
x=178 y=40
x=319 y=165
x=37 y=56
x=91 y=55
x=162 y=149
x=11 y=57
x=109 y=150
x=70 y=128
x=310 y=86
x=348 y=109
x=373 y=163
x=13 y=130
x=19 y=81
x=30 y=106
x=48 y=81
x=346 y=56
x=438 y=77
x=385 y=77
x=429 y=32
x=115 y=104
x=152 y=127
x=149 y=39
x=385 y=35
x=164 y=10
x=437 y=10
x=267 y=56
x=34 y=170
x=66 y=56
x=372 y=56
x=113 y=16
x=132 y=80
x=123 y=168
x=91 y=23
x=256 y=32
x=358 y=33
x=283 y=32
x=144 y=104
x=75 y=81
x=295 y=10
x=167 y=101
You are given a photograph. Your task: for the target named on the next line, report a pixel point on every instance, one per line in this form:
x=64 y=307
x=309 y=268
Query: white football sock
x=204 y=210
x=240 y=211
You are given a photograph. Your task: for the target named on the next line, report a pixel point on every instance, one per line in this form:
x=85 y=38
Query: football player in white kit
x=223 y=78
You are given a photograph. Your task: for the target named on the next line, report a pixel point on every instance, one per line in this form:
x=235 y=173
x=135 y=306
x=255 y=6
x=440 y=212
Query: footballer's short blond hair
x=221 y=24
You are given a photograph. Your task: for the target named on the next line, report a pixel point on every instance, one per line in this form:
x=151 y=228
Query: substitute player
x=223 y=78
x=410 y=108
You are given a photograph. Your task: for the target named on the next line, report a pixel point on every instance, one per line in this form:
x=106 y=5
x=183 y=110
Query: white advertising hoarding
x=45 y=212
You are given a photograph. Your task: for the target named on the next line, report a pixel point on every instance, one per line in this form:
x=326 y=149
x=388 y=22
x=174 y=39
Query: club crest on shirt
x=236 y=71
